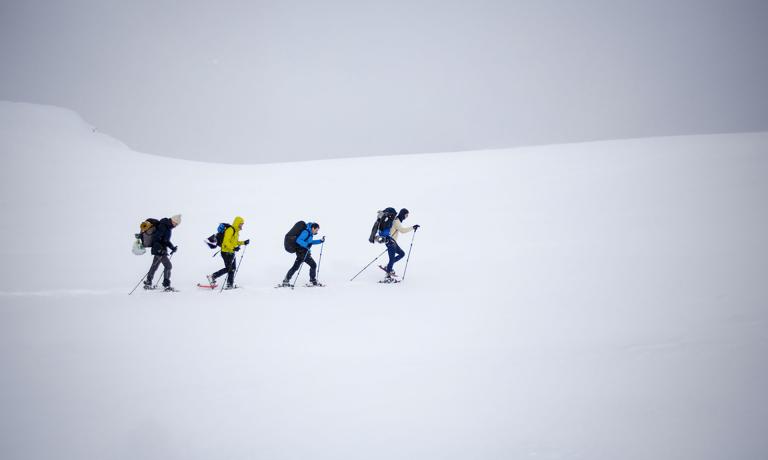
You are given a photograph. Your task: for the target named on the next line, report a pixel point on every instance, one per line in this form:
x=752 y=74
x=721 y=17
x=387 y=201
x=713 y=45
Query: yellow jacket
x=230 y=241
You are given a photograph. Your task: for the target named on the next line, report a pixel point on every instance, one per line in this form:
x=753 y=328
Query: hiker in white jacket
x=394 y=251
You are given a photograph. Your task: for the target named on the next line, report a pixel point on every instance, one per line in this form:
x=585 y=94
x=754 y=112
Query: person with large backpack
x=299 y=241
x=161 y=242
x=389 y=236
x=229 y=245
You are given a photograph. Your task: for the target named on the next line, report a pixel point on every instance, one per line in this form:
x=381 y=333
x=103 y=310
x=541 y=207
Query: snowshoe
x=170 y=289
x=149 y=287
x=314 y=284
x=229 y=287
x=389 y=280
x=392 y=273
x=207 y=286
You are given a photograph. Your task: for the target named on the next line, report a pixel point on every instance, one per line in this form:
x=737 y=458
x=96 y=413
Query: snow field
x=598 y=300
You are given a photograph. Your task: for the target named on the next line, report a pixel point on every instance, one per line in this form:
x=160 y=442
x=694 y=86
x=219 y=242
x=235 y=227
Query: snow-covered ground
x=590 y=301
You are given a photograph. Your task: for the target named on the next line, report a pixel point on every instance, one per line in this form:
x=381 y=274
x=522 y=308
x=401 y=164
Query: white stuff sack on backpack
x=138 y=248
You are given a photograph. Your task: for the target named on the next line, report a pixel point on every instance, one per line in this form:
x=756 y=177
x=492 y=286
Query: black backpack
x=147 y=232
x=293 y=233
x=216 y=239
x=383 y=224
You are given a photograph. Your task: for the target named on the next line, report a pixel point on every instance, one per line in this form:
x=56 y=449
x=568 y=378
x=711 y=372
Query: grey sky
x=260 y=81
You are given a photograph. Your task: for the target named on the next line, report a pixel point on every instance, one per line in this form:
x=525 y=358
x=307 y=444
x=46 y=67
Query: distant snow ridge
x=594 y=300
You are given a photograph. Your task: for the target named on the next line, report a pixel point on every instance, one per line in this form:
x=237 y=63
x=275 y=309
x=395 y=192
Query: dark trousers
x=300 y=254
x=166 y=270
x=395 y=253
x=229 y=267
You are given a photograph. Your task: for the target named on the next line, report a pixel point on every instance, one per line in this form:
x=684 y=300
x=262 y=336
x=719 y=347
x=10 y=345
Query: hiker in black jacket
x=161 y=242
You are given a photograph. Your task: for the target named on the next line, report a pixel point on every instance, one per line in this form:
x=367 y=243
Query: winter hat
x=401 y=214
x=176 y=219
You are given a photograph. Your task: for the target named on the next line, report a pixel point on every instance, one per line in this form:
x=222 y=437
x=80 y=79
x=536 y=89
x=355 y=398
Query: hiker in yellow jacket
x=229 y=245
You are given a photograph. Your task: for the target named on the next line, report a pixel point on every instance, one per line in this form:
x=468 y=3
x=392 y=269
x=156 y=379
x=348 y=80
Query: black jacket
x=162 y=237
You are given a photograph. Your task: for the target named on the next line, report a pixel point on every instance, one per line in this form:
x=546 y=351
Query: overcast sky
x=262 y=81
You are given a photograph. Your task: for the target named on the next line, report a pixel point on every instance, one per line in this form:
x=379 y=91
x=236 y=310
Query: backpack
x=146 y=234
x=217 y=238
x=383 y=224
x=293 y=233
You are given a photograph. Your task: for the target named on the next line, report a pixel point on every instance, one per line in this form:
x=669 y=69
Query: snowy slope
x=599 y=300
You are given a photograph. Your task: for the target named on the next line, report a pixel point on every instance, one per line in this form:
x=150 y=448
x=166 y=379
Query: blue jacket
x=305 y=237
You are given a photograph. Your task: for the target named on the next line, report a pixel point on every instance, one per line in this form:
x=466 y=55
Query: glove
x=416 y=227
x=246 y=242
x=174 y=249
x=322 y=239
x=237 y=248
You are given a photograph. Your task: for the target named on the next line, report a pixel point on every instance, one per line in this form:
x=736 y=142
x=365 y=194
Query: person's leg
x=231 y=270
x=296 y=264
x=391 y=251
x=312 y=268
x=399 y=253
x=223 y=270
x=152 y=270
x=166 y=270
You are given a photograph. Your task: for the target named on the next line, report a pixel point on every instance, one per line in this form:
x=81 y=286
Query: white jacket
x=397 y=228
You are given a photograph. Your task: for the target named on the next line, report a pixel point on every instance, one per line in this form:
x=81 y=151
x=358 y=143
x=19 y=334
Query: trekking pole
x=321 y=259
x=300 y=267
x=237 y=267
x=369 y=264
x=409 y=254
x=137 y=284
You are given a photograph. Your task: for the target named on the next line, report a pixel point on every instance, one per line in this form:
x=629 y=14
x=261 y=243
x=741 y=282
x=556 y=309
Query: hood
x=236 y=223
x=401 y=214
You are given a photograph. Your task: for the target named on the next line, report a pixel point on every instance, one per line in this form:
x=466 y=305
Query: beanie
x=176 y=219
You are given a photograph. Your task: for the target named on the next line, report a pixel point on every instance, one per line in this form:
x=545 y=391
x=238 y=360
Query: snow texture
x=588 y=301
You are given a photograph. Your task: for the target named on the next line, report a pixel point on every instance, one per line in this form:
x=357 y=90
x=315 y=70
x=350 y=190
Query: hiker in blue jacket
x=303 y=245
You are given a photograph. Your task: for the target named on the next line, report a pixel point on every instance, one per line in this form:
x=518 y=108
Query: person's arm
x=167 y=237
x=301 y=241
x=397 y=225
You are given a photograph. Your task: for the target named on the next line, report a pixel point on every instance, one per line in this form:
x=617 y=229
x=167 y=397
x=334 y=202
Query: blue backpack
x=215 y=240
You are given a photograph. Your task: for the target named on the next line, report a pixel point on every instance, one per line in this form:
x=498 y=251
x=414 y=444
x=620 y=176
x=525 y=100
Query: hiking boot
x=286 y=282
x=211 y=279
x=313 y=282
x=169 y=289
x=148 y=285
x=230 y=286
